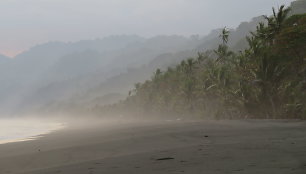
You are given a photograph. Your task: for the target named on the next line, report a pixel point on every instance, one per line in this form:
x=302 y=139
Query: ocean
x=16 y=130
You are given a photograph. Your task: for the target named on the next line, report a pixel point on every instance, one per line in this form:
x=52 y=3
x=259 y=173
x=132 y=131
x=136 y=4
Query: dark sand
x=212 y=147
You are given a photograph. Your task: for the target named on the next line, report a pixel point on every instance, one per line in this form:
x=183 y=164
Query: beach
x=193 y=147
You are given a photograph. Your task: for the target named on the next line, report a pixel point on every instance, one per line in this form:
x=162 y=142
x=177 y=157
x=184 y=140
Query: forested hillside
x=265 y=80
x=81 y=77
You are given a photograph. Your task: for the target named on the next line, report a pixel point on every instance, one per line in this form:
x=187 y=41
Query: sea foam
x=15 y=130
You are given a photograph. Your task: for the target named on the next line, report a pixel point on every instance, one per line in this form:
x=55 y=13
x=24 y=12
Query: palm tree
x=275 y=22
x=224 y=36
x=190 y=64
x=280 y=17
x=223 y=53
x=157 y=74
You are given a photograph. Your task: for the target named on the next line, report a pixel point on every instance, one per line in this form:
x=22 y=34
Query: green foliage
x=224 y=35
x=267 y=80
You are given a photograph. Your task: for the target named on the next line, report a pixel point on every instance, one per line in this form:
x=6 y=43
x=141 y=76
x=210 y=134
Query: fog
x=152 y=86
x=29 y=22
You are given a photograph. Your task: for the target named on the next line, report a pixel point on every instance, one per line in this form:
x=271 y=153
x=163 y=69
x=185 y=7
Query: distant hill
x=298 y=7
x=57 y=71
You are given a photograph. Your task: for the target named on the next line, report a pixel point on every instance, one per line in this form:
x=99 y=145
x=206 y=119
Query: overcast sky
x=25 y=23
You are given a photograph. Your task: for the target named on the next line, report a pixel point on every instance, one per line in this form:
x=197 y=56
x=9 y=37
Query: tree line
x=266 y=80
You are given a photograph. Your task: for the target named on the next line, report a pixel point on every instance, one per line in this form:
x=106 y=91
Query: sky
x=25 y=23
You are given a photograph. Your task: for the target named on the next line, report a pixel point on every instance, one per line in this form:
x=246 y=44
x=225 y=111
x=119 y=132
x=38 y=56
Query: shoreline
x=247 y=146
x=26 y=129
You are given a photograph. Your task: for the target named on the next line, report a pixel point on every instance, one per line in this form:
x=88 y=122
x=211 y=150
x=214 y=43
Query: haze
x=152 y=86
x=29 y=22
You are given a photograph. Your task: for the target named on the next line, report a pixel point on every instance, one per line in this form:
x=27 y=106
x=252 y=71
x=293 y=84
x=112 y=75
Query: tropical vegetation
x=266 y=80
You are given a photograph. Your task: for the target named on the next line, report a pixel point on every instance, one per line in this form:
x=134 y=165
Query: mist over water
x=15 y=130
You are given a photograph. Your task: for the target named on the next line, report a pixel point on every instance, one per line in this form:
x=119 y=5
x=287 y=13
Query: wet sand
x=212 y=147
